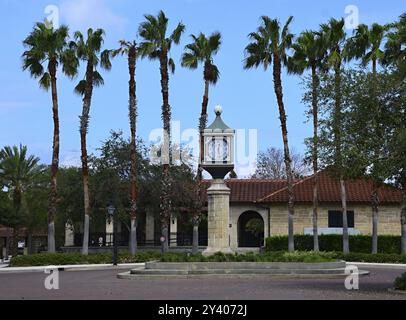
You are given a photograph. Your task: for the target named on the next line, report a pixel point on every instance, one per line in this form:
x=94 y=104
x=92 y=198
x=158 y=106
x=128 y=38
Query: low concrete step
x=243 y=265
x=148 y=276
x=236 y=271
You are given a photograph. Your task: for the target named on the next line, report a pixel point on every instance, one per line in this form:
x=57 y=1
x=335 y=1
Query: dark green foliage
x=400 y=282
x=307 y=257
x=371 y=258
x=44 y=259
x=387 y=244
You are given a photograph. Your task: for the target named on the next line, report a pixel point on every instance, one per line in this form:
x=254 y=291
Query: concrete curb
x=391 y=290
x=379 y=265
x=78 y=267
x=129 y=276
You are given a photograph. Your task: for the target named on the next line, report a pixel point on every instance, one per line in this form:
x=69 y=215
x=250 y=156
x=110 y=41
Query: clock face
x=218 y=150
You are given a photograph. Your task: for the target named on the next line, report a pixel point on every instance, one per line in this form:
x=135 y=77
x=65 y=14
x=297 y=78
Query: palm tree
x=202 y=50
x=89 y=51
x=269 y=46
x=17 y=172
x=366 y=45
x=129 y=48
x=335 y=36
x=395 y=52
x=156 y=45
x=309 y=54
x=47 y=48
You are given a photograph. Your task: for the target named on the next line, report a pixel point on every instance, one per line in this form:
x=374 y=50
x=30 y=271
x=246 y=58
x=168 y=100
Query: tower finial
x=218 y=110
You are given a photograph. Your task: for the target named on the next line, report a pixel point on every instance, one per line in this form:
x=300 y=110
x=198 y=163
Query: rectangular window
x=335 y=219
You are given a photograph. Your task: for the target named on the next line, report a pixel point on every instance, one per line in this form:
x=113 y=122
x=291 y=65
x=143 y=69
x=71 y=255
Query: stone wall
x=389 y=218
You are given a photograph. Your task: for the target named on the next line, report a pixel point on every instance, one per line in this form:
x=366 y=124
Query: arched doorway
x=250 y=230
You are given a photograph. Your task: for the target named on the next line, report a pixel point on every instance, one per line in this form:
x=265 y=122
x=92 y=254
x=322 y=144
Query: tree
x=397 y=145
x=156 y=46
x=202 y=50
x=17 y=172
x=269 y=46
x=335 y=38
x=366 y=45
x=130 y=50
x=271 y=165
x=309 y=54
x=395 y=47
x=47 y=48
x=89 y=51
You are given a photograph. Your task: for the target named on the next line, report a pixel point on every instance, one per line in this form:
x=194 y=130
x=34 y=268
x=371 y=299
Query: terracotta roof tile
x=275 y=191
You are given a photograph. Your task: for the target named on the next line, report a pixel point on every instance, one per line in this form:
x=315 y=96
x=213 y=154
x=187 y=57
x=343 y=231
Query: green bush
x=307 y=257
x=46 y=259
x=371 y=258
x=400 y=282
x=361 y=243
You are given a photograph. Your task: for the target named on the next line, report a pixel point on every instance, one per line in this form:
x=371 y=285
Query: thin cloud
x=82 y=14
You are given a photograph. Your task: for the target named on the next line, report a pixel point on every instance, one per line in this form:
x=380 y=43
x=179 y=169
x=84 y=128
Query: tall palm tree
x=89 y=51
x=366 y=44
x=47 y=48
x=17 y=173
x=129 y=48
x=202 y=50
x=395 y=47
x=335 y=36
x=156 y=45
x=309 y=54
x=269 y=46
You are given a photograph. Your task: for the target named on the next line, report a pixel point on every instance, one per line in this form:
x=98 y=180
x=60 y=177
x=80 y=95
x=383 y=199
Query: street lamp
x=111 y=212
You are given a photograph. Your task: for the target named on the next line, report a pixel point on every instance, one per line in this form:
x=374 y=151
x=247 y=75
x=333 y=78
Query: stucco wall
x=389 y=218
x=235 y=213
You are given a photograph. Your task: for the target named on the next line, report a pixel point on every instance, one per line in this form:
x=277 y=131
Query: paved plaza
x=99 y=285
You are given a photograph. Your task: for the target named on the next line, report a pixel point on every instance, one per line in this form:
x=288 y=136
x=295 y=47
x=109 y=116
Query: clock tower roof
x=218 y=123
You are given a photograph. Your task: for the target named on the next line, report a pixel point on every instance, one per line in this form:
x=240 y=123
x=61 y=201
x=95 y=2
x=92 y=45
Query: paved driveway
x=96 y=285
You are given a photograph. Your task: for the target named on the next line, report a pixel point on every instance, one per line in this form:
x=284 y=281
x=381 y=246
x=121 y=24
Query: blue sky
x=247 y=97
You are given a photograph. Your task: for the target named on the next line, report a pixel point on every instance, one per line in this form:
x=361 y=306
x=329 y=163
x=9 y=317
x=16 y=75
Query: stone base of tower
x=218 y=216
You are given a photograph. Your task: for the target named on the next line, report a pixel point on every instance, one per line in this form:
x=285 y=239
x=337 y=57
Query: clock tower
x=218 y=160
x=218 y=138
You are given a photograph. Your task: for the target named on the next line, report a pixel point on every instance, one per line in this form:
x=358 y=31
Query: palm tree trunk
x=375 y=217
x=403 y=219
x=17 y=200
x=346 y=241
x=288 y=161
x=52 y=201
x=374 y=196
x=133 y=122
x=14 y=242
x=202 y=126
x=84 y=124
x=166 y=184
x=315 y=85
x=338 y=156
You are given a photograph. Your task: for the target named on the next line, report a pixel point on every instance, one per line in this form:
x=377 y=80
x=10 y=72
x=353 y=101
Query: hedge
x=361 y=243
x=283 y=256
x=371 y=258
x=45 y=259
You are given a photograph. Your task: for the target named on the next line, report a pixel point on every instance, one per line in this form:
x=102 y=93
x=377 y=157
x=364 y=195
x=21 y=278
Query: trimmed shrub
x=46 y=259
x=307 y=257
x=361 y=243
x=400 y=282
x=372 y=258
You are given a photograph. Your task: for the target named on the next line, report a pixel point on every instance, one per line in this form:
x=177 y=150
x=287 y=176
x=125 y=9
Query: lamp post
x=111 y=212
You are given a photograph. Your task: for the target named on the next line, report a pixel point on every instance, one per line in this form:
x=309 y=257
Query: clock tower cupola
x=218 y=153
